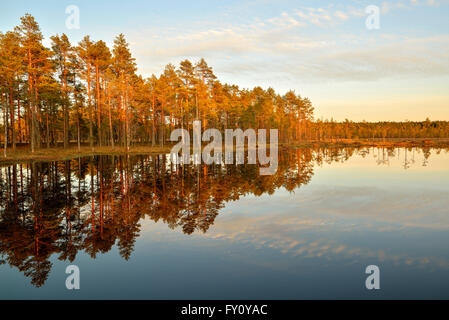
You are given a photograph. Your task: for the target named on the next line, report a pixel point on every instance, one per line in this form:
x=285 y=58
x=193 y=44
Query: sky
x=322 y=50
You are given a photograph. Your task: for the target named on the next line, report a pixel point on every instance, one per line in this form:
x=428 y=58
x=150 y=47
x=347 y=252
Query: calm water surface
x=140 y=227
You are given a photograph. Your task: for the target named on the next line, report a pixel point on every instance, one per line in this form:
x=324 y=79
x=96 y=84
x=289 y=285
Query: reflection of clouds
x=368 y=205
x=262 y=236
x=322 y=248
x=316 y=219
x=399 y=221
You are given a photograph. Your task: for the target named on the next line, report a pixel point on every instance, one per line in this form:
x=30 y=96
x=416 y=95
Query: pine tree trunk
x=111 y=132
x=11 y=111
x=91 y=133
x=4 y=124
x=98 y=103
x=153 y=133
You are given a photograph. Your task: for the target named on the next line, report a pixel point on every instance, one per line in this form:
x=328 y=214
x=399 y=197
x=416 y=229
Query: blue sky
x=320 y=49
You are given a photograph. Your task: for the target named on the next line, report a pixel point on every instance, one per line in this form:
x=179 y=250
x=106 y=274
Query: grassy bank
x=23 y=154
x=381 y=143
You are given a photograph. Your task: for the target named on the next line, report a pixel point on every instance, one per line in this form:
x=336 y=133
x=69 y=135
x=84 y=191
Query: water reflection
x=95 y=203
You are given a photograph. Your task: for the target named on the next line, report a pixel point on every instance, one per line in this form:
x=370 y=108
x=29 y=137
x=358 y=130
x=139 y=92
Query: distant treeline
x=89 y=93
x=325 y=130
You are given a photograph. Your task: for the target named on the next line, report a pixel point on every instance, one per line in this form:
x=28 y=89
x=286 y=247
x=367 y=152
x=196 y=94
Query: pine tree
x=36 y=59
x=101 y=58
x=11 y=69
x=84 y=50
x=124 y=67
x=63 y=52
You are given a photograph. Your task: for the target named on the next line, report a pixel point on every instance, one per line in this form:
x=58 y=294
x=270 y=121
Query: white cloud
x=418 y=56
x=281 y=47
x=341 y=15
x=387 y=6
x=318 y=17
x=285 y=20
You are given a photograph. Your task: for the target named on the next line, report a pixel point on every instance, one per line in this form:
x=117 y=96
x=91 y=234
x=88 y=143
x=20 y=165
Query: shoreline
x=23 y=154
x=380 y=143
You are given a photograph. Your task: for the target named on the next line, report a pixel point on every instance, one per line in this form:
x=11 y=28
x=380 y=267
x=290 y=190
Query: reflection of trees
x=91 y=204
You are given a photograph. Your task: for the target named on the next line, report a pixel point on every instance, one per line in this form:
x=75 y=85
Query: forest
x=70 y=95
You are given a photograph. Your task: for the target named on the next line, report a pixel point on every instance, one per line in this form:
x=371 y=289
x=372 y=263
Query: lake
x=141 y=227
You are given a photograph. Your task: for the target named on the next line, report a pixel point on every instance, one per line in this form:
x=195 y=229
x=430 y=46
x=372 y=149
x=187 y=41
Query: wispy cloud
x=296 y=45
x=344 y=58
